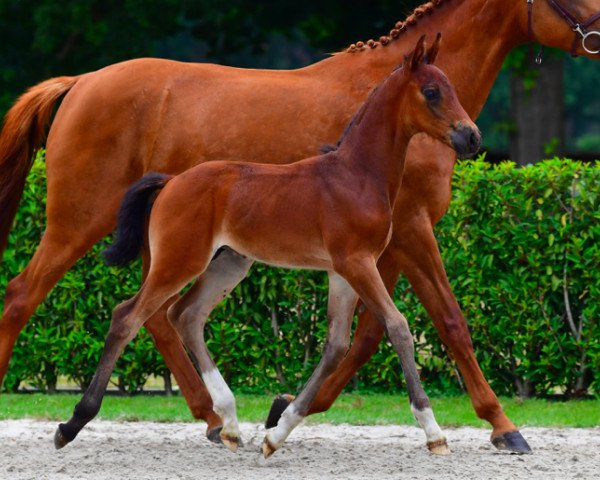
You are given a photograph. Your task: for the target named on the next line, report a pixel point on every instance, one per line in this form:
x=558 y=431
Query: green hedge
x=519 y=245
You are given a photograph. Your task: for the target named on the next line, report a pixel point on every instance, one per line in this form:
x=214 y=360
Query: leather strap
x=580 y=28
x=530 y=20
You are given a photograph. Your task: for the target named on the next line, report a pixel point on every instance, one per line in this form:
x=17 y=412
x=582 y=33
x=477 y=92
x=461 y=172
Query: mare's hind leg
x=189 y=315
x=58 y=250
x=340 y=308
x=365 y=279
x=81 y=207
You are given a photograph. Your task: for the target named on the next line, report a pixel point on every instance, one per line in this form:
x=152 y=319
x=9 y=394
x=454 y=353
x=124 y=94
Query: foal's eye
x=431 y=93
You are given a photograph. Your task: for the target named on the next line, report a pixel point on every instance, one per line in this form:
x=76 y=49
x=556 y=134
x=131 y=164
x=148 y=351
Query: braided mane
x=399 y=28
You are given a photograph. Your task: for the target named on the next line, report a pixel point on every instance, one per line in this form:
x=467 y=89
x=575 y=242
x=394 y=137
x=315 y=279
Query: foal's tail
x=22 y=134
x=133 y=214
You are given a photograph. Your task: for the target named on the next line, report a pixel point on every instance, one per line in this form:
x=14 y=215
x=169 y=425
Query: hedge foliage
x=521 y=248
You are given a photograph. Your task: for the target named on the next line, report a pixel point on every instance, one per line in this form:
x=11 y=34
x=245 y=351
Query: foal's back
x=283 y=215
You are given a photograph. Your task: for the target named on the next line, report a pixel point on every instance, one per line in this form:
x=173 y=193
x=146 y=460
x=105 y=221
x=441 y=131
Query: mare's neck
x=375 y=142
x=477 y=36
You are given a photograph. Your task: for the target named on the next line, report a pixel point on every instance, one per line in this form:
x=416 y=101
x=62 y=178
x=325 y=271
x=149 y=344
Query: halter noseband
x=580 y=28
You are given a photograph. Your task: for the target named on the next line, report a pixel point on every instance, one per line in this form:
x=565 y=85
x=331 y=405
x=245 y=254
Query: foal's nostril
x=474 y=141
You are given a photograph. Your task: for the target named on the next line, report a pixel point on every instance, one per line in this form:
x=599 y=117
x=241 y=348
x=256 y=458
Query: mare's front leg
x=189 y=315
x=420 y=260
x=365 y=279
x=340 y=307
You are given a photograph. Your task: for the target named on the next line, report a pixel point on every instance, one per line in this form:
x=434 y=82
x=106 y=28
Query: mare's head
x=572 y=25
x=430 y=104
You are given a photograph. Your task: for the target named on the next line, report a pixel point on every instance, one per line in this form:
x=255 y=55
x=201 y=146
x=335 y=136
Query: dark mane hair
x=399 y=28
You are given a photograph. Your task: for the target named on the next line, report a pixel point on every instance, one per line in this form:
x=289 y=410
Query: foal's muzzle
x=465 y=141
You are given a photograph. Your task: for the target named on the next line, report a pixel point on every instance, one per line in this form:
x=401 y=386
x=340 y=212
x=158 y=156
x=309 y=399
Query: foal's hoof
x=439 y=447
x=512 y=442
x=59 y=439
x=231 y=442
x=214 y=435
x=267 y=448
x=280 y=403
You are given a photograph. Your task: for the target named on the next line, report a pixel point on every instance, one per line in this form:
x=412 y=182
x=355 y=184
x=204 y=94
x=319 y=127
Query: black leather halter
x=579 y=27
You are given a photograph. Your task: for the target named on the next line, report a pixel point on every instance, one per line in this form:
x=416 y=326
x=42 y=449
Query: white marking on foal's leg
x=275 y=437
x=224 y=406
x=436 y=441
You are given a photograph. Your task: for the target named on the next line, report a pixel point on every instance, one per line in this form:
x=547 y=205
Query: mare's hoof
x=232 y=443
x=267 y=448
x=280 y=403
x=439 y=447
x=59 y=439
x=214 y=435
x=512 y=442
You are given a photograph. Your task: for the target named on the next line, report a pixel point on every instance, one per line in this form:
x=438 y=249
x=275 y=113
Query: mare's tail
x=23 y=133
x=133 y=214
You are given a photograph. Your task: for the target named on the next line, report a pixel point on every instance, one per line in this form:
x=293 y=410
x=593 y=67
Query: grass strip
x=354 y=409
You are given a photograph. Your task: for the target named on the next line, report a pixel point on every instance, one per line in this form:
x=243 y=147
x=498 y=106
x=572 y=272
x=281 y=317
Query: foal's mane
x=399 y=28
x=358 y=115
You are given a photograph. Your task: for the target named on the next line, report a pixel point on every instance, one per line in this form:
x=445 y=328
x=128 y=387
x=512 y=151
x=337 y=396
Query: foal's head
x=430 y=103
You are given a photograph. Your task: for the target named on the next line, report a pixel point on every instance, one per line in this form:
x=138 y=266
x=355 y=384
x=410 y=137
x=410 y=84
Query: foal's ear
x=433 y=50
x=417 y=55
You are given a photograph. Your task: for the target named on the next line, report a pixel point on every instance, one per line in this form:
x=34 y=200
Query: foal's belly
x=278 y=251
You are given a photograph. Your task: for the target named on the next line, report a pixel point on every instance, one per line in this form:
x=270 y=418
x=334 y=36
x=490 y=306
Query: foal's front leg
x=365 y=279
x=340 y=308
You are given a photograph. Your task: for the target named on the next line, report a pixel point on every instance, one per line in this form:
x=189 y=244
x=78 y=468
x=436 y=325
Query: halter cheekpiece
x=579 y=27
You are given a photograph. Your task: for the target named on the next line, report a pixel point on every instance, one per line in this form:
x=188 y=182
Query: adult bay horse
x=145 y=115
x=332 y=212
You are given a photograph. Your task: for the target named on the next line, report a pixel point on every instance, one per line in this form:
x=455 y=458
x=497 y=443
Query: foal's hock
x=331 y=212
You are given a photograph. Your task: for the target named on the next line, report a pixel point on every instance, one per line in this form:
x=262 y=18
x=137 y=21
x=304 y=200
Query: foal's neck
x=375 y=142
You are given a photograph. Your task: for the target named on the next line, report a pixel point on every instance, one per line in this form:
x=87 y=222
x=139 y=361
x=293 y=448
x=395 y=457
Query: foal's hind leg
x=340 y=307
x=177 y=360
x=365 y=279
x=189 y=315
x=125 y=323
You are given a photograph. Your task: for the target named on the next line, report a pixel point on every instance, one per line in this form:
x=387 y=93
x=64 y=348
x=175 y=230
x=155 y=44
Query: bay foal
x=332 y=212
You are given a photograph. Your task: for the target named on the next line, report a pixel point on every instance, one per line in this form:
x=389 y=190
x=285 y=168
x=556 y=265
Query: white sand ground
x=143 y=450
